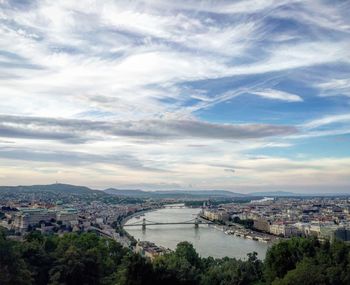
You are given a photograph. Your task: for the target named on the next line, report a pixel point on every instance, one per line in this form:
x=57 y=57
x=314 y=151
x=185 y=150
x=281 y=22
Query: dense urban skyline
x=245 y=95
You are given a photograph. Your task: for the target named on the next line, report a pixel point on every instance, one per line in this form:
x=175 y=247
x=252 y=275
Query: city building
x=262 y=224
x=150 y=250
x=26 y=217
x=67 y=216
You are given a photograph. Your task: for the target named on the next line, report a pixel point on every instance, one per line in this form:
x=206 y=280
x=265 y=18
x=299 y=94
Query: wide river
x=207 y=240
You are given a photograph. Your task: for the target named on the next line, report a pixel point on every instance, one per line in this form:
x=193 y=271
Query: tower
x=196 y=222
x=143 y=223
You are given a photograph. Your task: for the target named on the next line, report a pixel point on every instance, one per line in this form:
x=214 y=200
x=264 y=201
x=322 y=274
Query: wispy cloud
x=335 y=87
x=157 y=79
x=327 y=120
x=70 y=130
x=278 y=95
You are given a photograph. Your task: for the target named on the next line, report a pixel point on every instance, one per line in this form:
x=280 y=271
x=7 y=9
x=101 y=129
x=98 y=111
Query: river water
x=207 y=240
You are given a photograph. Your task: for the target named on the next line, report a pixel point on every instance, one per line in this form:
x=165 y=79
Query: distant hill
x=126 y=192
x=55 y=188
x=219 y=193
x=274 y=194
x=174 y=193
x=82 y=190
x=68 y=189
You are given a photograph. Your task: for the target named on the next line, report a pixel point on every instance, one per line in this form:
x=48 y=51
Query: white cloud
x=278 y=95
x=335 y=87
x=221 y=6
x=336 y=84
x=327 y=120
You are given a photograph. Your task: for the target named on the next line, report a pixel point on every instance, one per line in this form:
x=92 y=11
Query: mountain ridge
x=138 y=193
x=274 y=193
x=56 y=187
x=173 y=193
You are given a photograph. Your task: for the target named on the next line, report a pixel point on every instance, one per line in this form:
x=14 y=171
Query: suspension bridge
x=196 y=222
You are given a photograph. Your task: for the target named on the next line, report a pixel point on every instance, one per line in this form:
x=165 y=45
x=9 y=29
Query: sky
x=250 y=95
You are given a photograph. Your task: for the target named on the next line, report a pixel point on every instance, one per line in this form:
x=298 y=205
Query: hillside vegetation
x=89 y=259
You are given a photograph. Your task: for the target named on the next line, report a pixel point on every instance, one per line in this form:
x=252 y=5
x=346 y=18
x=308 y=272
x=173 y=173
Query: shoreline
x=241 y=232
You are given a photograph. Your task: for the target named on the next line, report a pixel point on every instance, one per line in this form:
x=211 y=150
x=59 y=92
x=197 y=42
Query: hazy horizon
x=245 y=190
x=242 y=96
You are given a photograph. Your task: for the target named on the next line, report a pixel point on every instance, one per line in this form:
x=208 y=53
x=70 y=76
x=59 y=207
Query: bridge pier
x=196 y=223
x=144 y=224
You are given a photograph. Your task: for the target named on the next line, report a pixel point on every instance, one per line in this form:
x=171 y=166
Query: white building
x=32 y=216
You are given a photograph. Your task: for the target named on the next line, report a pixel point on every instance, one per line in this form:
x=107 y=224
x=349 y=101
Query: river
x=207 y=240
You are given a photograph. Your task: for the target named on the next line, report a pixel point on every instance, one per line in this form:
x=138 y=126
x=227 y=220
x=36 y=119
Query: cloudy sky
x=239 y=95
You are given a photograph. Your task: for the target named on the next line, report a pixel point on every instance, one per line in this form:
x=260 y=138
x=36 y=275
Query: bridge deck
x=157 y=224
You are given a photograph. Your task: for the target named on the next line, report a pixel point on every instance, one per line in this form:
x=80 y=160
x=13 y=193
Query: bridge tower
x=196 y=222
x=143 y=223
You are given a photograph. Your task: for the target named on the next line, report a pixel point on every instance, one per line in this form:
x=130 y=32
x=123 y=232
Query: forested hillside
x=89 y=259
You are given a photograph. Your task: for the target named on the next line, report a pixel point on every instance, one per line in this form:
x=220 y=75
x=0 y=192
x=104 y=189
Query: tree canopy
x=89 y=259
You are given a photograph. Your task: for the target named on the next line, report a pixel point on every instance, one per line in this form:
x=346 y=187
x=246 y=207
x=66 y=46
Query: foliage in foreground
x=89 y=259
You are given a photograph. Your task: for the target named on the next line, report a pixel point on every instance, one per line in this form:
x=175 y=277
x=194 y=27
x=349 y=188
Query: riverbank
x=250 y=234
x=241 y=232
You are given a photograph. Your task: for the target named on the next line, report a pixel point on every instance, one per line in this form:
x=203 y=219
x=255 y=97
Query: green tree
x=13 y=269
x=184 y=263
x=229 y=271
x=135 y=270
x=284 y=256
x=306 y=273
